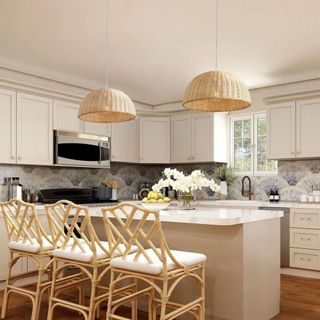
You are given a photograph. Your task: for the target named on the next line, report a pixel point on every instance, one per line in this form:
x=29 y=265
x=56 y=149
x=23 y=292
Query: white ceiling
x=156 y=47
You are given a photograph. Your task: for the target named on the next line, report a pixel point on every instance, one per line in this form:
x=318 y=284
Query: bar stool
x=79 y=247
x=153 y=263
x=26 y=239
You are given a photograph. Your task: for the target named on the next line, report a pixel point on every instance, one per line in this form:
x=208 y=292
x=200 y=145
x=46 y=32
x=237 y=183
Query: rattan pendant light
x=216 y=91
x=107 y=105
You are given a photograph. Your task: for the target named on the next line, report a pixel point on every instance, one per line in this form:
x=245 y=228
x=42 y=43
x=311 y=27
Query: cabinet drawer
x=305 y=218
x=305 y=259
x=304 y=238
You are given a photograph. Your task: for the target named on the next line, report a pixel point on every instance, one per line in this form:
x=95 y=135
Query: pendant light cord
x=217 y=34
x=106 y=46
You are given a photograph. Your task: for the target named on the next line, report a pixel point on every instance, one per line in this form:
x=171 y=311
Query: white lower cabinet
x=20 y=266
x=34 y=130
x=305 y=238
x=305 y=259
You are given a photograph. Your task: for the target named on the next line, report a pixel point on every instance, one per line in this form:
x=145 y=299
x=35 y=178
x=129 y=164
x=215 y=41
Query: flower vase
x=187 y=200
x=223 y=190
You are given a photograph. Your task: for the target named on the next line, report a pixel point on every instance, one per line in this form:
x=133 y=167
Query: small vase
x=187 y=200
x=223 y=190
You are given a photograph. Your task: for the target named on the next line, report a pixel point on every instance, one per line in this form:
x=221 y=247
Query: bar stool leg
x=37 y=300
x=164 y=299
x=54 y=278
x=94 y=283
x=6 y=291
x=202 y=309
x=134 y=310
x=111 y=288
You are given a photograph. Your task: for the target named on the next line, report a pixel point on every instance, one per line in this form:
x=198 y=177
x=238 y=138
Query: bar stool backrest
x=127 y=225
x=71 y=227
x=22 y=223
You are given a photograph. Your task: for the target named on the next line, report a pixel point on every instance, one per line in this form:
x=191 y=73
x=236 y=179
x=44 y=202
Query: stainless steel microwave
x=81 y=150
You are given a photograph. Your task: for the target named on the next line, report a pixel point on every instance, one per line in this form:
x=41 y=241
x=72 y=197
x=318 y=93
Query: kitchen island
x=243 y=257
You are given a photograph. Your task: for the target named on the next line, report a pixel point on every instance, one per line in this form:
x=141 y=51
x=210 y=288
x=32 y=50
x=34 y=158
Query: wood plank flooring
x=300 y=300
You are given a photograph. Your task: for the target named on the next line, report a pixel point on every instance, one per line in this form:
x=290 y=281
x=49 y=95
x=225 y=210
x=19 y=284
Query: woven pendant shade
x=107 y=105
x=216 y=91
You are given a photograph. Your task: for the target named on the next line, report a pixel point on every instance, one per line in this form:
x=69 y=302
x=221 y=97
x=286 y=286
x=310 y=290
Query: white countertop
x=210 y=216
x=205 y=215
x=257 y=204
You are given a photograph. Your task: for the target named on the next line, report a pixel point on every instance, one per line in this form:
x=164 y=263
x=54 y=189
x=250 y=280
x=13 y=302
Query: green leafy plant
x=225 y=173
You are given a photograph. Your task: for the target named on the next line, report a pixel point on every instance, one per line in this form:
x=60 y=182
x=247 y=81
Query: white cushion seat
x=77 y=254
x=32 y=246
x=142 y=265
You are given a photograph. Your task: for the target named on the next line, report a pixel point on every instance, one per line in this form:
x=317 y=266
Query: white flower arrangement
x=186 y=184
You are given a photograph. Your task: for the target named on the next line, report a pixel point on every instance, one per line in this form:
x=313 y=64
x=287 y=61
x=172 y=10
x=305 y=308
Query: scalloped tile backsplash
x=294 y=178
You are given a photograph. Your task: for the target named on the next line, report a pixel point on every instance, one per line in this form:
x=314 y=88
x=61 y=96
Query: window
x=249 y=145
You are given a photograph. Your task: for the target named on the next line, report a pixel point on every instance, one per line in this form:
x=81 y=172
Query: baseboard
x=301 y=273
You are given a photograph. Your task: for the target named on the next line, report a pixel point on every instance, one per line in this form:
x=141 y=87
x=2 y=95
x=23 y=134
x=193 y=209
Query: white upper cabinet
x=293 y=129
x=308 y=128
x=281 y=130
x=124 y=141
x=180 y=138
x=155 y=139
x=199 y=137
x=100 y=129
x=34 y=130
x=65 y=116
x=8 y=126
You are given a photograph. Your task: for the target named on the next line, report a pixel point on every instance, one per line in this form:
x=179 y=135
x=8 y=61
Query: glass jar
x=187 y=200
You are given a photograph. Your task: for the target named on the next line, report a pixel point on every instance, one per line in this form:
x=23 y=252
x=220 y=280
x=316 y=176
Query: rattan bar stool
x=158 y=269
x=79 y=247
x=26 y=239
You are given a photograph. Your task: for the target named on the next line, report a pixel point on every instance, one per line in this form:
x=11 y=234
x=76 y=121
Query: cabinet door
x=34 y=130
x=4 y=254
x=181 y=139
x=101 y=129
x=308 y=128
x=65 y=116
x=281 y=131
x=8 y=126
x=154 y=139
x=124 y=141
x=202 y=137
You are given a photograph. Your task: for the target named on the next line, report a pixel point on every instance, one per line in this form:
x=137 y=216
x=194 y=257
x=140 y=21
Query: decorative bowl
x=155 y=206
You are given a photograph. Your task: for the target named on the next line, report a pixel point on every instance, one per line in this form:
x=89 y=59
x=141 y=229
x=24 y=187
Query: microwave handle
x=99 y=145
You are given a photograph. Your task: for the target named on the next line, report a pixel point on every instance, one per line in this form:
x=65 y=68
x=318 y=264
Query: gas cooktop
x=76 y=195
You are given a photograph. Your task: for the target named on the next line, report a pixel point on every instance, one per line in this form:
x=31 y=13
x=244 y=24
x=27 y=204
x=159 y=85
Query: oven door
x=81 y=150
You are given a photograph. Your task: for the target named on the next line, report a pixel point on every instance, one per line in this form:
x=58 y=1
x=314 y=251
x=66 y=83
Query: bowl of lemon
x=155 y=201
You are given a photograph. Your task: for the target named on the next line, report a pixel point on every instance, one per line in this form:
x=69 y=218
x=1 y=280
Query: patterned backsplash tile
x=294 y=178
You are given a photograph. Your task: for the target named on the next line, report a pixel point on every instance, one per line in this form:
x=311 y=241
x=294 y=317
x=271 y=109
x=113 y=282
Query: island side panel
x=262 y=269
x=223 y=246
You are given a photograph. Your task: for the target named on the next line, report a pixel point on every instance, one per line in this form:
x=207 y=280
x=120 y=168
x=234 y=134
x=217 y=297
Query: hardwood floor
x=300 y=300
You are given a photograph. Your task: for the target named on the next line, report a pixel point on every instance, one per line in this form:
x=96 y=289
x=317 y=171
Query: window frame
x=253 y=117
x=231 y=160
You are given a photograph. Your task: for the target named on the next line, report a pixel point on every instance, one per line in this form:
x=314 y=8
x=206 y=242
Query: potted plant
x=227 y=176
